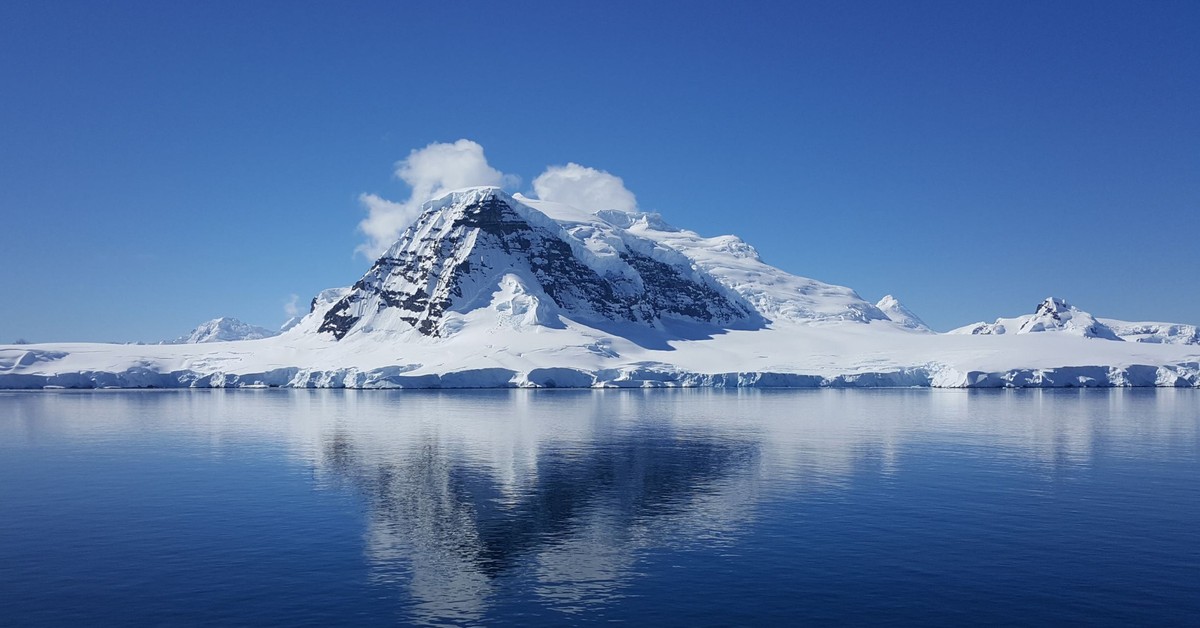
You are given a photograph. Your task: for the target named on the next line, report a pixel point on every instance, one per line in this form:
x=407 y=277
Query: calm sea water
x=695 y=507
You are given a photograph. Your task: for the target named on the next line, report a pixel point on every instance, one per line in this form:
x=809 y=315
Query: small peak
x=474 y=192
x=223 y=329
x=629 y=219
x=887 y=302
x=1053 y=305
x=466 y=196
x=1056 y=314
x=894 y=310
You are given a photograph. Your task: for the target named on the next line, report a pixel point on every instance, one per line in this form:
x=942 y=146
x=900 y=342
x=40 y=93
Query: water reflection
x=472 y=495
x=451 y=521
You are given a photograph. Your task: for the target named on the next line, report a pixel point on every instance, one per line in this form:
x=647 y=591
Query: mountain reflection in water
x=573 y=517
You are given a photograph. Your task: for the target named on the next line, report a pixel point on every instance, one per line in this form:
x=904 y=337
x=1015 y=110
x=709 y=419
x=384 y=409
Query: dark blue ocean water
x=695 y=507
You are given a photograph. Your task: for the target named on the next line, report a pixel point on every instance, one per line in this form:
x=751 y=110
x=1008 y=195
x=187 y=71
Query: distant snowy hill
x=224 y=329
x=485 y=289
x=1056 y=315
x=895 y=311
x=1051 y=315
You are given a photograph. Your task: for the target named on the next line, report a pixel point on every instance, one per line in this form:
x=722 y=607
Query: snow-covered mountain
x=224 y=329
x=895 y=311
x=539 y=263
x=490 y=290
x=473 y=242
x=1056 y=315
x=1051 y=315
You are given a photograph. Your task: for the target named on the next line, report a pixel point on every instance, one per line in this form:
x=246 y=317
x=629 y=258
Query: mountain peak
x=1051 y=315
x=224 y=329
x=459 y=195
x=1055 y=314
x=895 y=310
x=1053 y=307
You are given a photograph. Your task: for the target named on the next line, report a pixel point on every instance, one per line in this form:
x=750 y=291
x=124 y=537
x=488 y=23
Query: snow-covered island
x=491 y=290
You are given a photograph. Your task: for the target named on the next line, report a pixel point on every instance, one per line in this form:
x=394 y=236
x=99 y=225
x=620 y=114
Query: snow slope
x=775 y=294
x=489 y=290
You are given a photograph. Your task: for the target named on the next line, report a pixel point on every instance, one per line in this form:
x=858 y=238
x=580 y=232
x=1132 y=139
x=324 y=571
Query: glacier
x=487 y=289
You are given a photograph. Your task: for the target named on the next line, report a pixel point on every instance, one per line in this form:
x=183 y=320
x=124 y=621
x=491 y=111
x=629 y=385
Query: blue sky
x=166 y=163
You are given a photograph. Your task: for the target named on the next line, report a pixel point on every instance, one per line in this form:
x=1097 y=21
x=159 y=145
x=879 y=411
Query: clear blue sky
x=163 y=163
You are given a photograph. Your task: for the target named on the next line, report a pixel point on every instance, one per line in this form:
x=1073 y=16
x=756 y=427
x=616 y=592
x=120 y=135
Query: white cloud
x=429 y=171
x=583 y=187
x=292 y=307
x=384 y=222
